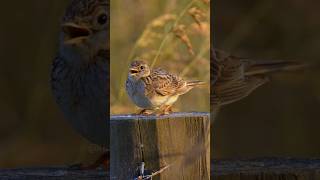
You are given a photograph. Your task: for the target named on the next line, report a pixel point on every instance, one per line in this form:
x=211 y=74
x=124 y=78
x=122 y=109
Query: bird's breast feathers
x=136 y=92
x=145 y=96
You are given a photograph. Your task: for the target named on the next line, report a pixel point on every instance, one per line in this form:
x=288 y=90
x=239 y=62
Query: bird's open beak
x=73 y=32
x=133 y=71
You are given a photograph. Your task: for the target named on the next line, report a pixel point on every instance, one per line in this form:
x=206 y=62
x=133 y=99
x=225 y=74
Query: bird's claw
x=144 y=112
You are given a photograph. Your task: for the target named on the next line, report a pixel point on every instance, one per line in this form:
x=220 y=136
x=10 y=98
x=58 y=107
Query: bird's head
x=139 y=69
x=85 y=31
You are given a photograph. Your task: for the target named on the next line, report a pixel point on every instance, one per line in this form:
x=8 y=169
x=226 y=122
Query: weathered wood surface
x=266 y=169
x=180 y=140
x=250 y=169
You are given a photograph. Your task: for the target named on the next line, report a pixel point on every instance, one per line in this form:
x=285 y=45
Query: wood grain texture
x=181 y=140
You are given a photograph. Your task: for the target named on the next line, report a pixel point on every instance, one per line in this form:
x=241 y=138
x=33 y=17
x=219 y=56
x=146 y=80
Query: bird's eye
x=141 y=67
x=102 y=19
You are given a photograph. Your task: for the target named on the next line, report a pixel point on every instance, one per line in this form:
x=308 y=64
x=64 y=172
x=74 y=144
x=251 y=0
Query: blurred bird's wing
x=165 y=83
x=241 y=88
x=234 y=77
x=214 y=68
x=225 y=68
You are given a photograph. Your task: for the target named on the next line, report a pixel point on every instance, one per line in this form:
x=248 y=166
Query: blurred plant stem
x=204 y=48
x=162 y=44
x=170 y=32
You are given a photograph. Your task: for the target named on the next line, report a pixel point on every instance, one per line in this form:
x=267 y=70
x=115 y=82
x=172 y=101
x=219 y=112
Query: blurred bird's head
x=85 y=31
x=139 y=69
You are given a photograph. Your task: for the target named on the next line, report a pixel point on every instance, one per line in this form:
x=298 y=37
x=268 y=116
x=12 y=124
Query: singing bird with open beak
x=155 y=89
x=80 y=71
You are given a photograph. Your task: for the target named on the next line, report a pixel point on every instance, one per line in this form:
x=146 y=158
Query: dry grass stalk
x=197 y=14
x=180 y=32
x=206 y=1
x=161 y=38
x=203 y=29
x=150 y=34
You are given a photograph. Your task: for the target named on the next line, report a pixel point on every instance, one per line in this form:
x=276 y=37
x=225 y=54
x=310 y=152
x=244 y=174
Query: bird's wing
x=165 y=83
x=215 y=69
x=226 y=68
x=223 y=95
x=235 y=78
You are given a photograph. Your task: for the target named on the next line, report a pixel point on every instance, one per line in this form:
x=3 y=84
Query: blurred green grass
x=148 y=30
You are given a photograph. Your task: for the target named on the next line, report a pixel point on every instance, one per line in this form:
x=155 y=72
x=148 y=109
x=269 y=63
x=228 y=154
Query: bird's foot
x=145 y=112
x=162 y=113
x=104 y=160
x=169 y=109
x=165 y=110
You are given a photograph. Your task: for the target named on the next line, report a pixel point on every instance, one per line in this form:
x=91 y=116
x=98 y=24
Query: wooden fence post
x=178 y=143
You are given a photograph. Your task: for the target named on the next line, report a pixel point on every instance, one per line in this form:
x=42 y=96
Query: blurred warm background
x=32 y=129
x=172 y=34
x=280 y=118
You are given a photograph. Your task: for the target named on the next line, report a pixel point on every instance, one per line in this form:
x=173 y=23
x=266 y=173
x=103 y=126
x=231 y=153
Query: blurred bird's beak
x=74 y=32
x=133 y=71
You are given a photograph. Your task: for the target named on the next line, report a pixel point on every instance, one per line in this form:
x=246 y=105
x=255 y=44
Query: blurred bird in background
x=234 y=78
x=80 y=72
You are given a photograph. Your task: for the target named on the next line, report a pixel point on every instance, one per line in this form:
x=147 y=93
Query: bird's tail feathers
x=263 y=67
x=195 y=83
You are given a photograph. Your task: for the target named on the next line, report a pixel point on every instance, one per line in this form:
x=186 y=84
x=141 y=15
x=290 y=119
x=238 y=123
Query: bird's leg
x=166 y=109
x=169 y=109
x=104 y=160
x=142 y=111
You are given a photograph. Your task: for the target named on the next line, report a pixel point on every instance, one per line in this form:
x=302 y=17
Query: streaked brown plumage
x=233 y=78
x=80 y=72
x=153 y=89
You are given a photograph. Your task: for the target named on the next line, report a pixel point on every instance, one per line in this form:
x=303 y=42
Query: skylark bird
x=233 y=78
x=155 y=89
x=80 y=71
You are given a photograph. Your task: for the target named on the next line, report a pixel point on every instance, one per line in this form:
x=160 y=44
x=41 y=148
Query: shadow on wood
x=52 y=173
x=266 y=169
x=233 y=169
x=179 y=140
